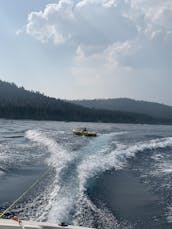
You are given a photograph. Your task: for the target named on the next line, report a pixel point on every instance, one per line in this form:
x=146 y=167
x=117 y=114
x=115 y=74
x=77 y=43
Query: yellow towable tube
x=84 y=133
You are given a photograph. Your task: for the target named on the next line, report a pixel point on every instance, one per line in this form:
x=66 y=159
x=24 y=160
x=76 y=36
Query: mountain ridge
x=18 y=103
x=154 y=109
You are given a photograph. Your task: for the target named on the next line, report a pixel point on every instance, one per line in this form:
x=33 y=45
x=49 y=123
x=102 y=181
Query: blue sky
x=88 y=48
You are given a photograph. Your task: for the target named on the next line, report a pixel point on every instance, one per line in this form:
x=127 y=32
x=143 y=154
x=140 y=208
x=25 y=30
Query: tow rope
x=24 y=193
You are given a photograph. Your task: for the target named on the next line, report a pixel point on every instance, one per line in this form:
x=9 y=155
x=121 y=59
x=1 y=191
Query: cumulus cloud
x=81 y=22
x=110 y=37
x=144 y=26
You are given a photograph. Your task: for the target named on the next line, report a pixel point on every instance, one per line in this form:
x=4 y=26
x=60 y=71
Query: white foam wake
x=4 y=157
x=58 y=159
x=97 y=157
x=13 y=156
x=67 y=199
x=58 y=155
x=116 y=159
x=87 y=212
x=101 y=161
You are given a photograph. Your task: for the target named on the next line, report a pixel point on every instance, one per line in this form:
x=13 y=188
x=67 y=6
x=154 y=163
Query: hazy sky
x=88 y=48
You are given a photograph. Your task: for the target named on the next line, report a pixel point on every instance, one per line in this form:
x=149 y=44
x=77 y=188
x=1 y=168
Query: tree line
x=18 y=103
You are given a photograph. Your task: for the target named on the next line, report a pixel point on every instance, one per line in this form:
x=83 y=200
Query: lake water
x=120 y=179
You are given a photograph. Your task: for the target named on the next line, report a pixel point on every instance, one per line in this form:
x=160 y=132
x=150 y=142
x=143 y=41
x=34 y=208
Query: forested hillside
x=156 y=110
x=18 y=103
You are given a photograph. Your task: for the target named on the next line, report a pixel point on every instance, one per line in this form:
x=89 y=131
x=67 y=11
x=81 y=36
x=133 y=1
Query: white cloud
x=97 y=24
x=88 y=22
x=111 y=38
x=102 y=75
x=52 y=22
x=152 y=16
x=19 y=32
x=100 y=69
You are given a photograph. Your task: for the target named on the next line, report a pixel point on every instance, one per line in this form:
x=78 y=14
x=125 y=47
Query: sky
x=85 y=49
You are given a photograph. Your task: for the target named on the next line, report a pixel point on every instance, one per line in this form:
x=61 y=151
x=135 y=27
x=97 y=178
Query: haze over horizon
x=82 y=49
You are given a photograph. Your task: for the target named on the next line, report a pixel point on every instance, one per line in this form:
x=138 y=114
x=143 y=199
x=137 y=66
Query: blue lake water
x=120 y=179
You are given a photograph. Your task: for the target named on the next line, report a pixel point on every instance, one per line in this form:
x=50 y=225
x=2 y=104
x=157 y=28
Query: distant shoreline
x=48 y=120
x=20 y=104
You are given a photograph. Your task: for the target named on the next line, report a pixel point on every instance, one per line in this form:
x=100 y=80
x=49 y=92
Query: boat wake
x=64 y=197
